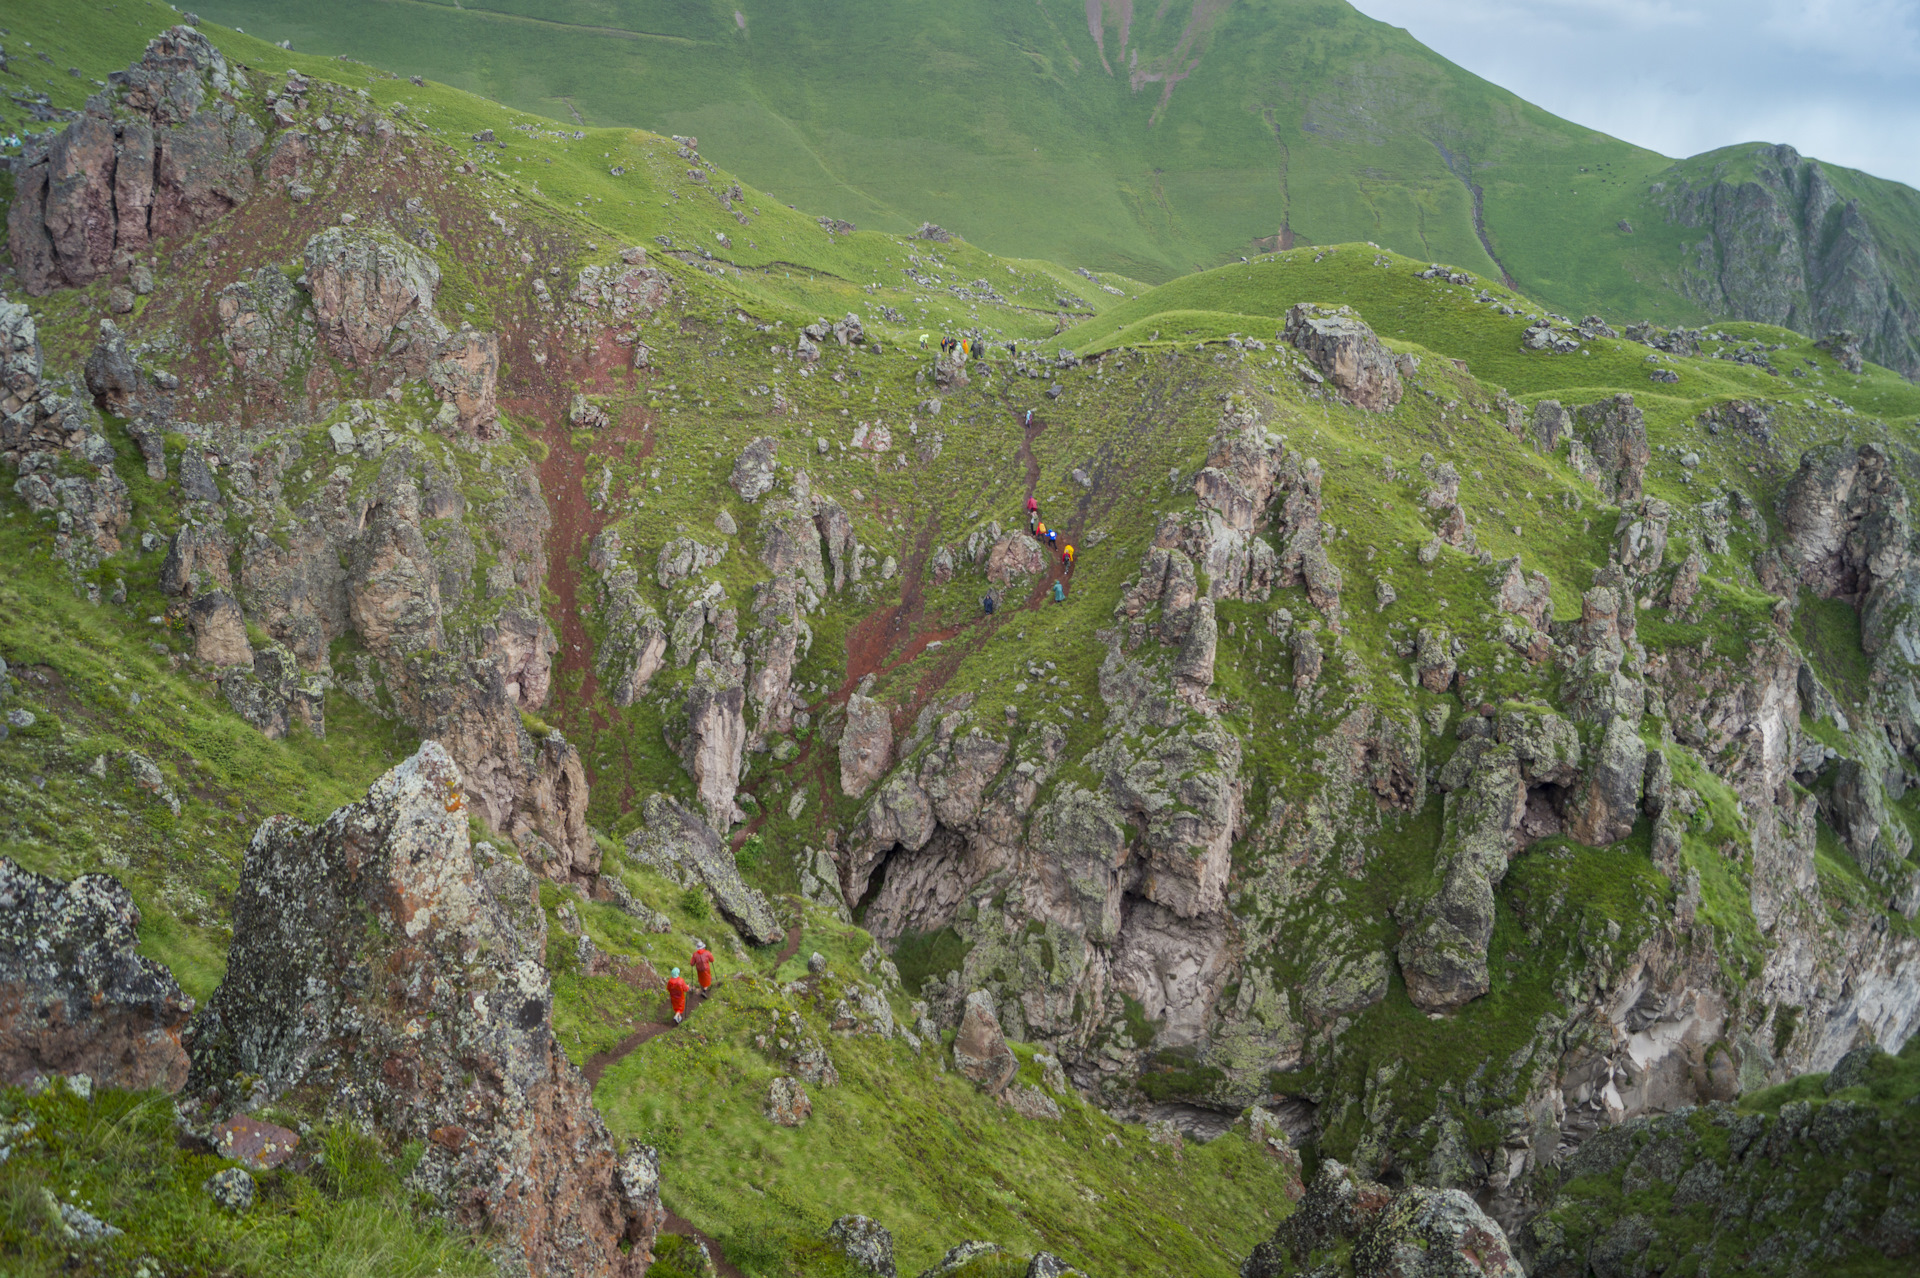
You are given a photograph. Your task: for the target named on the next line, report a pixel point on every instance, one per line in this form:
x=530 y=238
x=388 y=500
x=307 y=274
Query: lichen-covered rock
x=162 y=151
x=787 y=1102
x=373 y=964
x=76 y=997
x=866 y=745
x=753 y=469
x=865 y=1242
x=232 y=1189
x=677 y=842
x=1347 y=353
x=980 y=1050
x=959 y=1256
x=1350 y=1227
x=364 y=283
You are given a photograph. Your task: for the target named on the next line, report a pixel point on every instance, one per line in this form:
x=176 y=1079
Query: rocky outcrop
x=1612 y=450
x=1443 y=954
x=1784 y=240
x=377 y=961
x=165 y=149
x=266 y=326
x=465 y=371
x=1350 y=1227
x=1704 y=1163
x=716 y=740
x=866 y=745
x=364 y=284
x=219 y=631
x=680 y=845
x=1345 y=350
x=1846 y=517
x=634 y=647
x=76 y=996
x=753 y=469
x=980 y=1050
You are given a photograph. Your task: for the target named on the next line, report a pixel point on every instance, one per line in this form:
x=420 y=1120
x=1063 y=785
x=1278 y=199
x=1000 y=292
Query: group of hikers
x=677 y=986
x=1038 y=527
x=949 y=346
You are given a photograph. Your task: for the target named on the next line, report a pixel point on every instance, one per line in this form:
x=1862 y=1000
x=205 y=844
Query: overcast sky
x=1838 y=79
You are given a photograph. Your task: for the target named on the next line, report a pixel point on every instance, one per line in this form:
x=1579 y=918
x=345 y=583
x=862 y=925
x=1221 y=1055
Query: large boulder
x=377 y=965
x=76 y=997
x=678 y=843
x=866 y=745
x=363 y=284
x=980 y=1049
x=753 y=469
x=1347 y=353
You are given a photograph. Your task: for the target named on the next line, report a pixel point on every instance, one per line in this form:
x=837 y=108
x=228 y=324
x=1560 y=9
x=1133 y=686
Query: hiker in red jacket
x=703 y=966
x=677 y=991
x=1033 y=514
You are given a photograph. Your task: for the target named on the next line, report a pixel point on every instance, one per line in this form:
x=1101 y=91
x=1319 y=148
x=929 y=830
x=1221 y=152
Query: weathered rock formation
x=1345 y=350
x=165 y=149
x=1787 y=242
x=678 y=843
x=76 y=997
x=1350 y=1227
x=384 y=969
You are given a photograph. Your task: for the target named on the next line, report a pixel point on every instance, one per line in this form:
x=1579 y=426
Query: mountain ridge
x=1250 y=123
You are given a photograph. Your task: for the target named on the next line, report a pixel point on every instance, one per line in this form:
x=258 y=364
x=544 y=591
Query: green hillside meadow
x=1001 y=122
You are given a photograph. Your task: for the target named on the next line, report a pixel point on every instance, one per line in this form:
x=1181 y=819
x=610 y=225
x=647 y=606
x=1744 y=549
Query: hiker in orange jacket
x=703 y=965
x=677 y=992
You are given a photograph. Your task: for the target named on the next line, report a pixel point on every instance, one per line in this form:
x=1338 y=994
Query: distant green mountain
x=1155 y=143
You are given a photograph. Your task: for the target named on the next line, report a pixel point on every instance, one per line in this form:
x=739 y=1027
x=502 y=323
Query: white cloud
x=1838 y=79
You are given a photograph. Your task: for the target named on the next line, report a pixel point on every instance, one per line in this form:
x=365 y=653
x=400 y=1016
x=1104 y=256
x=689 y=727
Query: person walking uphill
x=1033 y=514
x=703 y=965
x=677 y=993
x=1066 y=557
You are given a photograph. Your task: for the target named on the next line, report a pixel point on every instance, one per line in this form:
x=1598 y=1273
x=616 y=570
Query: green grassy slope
x=1151 y=144
x=1251 y=300
x=898 y=1138
x=117 y=1156
x=1175 y=140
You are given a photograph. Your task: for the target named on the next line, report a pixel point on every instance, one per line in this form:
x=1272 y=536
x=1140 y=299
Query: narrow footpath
x=601 y=1062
